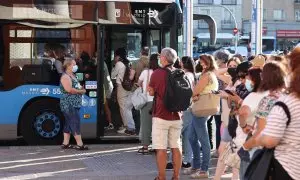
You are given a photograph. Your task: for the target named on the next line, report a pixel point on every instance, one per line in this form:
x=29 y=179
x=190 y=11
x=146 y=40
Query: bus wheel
x=42 y=123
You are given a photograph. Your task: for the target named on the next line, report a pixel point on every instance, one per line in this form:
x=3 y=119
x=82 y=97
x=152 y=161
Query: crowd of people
x=259 y=100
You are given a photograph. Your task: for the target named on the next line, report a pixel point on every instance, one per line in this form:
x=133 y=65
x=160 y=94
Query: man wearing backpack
x=165 y=85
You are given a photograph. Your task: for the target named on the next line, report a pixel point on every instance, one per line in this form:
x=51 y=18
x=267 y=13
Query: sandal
x=151 y=150
x=143 y=151
x=68 y=146
x=81 y=148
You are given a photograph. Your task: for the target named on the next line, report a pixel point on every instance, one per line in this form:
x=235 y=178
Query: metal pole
x=256 y=27
x=234 y=19
x=188 y=27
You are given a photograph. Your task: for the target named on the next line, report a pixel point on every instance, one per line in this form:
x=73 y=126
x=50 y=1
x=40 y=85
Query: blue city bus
x=29 y=86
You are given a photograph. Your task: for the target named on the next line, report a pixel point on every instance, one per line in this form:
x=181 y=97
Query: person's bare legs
x=177 y=161
x=220 y=165
x=161 y=161
x=78 y=140
x=107 y=112
x=66 y=138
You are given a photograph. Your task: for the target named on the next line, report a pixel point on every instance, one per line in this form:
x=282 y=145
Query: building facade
x=281 y=21
x=226 y=21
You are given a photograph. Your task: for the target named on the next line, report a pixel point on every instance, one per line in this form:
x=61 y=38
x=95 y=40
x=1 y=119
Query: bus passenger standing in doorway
x=123 y=96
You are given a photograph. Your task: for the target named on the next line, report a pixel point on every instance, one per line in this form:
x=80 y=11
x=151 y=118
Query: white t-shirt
x=252 y=101
x=146 y=75
x=191 y=78
x=118 y=72
x=59 y=66
x=225 y=107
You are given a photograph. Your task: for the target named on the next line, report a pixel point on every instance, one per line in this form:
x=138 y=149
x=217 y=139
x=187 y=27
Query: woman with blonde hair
x=70 y=103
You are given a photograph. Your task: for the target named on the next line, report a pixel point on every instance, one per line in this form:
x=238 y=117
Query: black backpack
x=127 y=83
x=178 y=91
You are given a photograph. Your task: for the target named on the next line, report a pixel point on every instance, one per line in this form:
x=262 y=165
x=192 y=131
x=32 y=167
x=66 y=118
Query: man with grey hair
x=166 y=125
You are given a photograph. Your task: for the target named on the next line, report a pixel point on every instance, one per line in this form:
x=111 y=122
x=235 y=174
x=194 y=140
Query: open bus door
x=154 y=32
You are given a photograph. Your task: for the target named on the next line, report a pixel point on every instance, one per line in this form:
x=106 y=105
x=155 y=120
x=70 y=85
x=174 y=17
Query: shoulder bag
x=139 y=97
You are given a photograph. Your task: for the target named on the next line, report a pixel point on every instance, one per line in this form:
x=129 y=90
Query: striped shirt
x=287 y=152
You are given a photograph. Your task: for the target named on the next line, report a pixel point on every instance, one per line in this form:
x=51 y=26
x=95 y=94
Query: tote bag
x=206 y=105
x=139 y=98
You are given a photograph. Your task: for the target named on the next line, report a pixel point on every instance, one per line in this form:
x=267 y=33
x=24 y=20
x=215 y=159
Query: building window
x=205 y=1
x=227 y=22
x=278 y=14
x=205 y=11
x=297 y=14
x=229 y=2
x=265 y=14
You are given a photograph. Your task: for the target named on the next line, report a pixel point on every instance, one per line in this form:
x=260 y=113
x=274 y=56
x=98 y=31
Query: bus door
x=133 y=39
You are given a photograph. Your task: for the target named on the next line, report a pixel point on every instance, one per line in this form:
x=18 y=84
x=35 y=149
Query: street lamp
x=233 y=17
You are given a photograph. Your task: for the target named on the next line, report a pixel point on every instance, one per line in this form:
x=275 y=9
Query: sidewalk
x=102 y=162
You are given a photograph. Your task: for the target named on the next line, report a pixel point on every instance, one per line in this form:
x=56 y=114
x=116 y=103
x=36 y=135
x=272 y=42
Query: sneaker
x=186 y=165
x=199 y=174
x=129 y=132
x=169 y=167
x=215 y=155
x=122 y=130
x=189 y=171
x=109 y=127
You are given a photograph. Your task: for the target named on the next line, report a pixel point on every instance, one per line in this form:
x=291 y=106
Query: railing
x=227 y=24
x=229 y=2
x=205 y=1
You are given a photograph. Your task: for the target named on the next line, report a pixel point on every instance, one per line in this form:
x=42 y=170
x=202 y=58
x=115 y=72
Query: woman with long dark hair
x=198 y=130
x=146 y=117
x=123 y=96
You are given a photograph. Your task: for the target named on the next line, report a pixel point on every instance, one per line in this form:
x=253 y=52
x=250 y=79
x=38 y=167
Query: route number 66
x=56 y=91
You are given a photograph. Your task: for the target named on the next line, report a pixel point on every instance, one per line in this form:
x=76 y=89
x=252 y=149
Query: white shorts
x=166 y=133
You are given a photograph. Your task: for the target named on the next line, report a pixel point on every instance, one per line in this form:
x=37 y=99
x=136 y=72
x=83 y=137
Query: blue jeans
x=198 y=133
x=187 y=120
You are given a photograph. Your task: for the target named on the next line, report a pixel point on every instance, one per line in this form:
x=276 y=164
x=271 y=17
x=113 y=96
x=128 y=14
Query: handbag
x=230 y=157
x=206 y=105
x=261 y=164
x=139 y=98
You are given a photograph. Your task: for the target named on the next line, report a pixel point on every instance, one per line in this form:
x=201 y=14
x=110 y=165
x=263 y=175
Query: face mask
x=248 y=85
x=75 y=68
x=159 y=64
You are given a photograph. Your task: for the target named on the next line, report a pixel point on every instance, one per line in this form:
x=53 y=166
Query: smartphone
x=229 y=92
x=215 y=92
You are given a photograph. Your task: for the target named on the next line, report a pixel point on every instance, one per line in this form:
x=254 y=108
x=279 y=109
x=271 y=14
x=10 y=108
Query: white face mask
x=74 y=68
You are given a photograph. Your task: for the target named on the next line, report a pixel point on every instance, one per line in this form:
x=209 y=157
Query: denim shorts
x=225 y=136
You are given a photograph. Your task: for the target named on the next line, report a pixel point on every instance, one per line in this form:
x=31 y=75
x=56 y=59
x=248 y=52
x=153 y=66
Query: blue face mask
x=248 y=85
x=159 y=64
x=75 y=68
